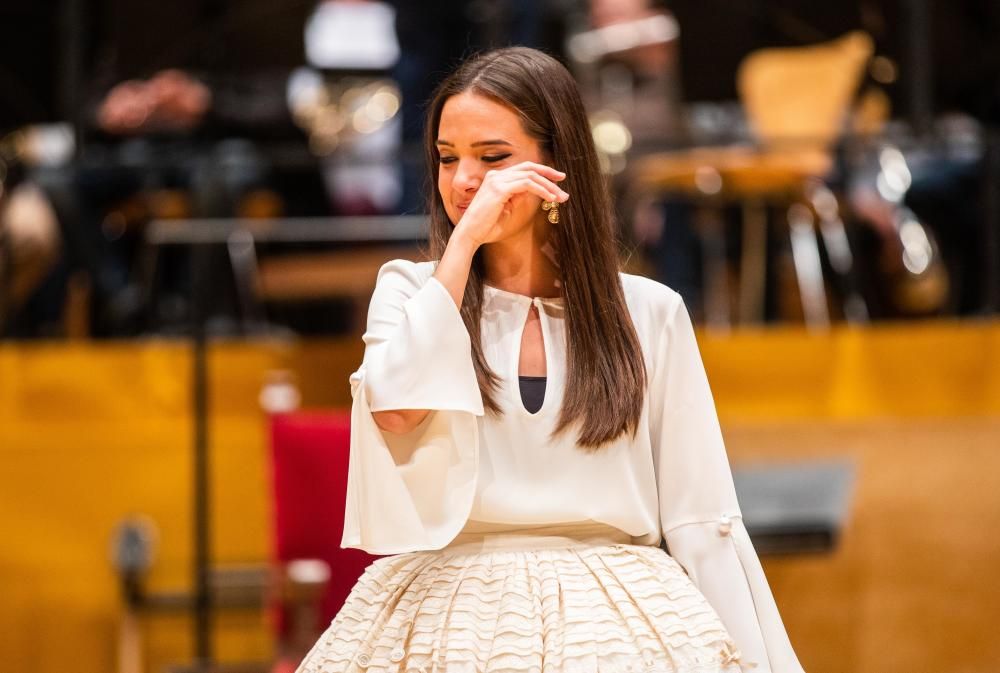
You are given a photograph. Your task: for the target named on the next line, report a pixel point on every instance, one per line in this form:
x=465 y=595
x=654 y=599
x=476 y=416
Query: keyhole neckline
x=523 y=297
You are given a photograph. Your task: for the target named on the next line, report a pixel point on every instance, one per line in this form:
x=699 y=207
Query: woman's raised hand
x=488 y=215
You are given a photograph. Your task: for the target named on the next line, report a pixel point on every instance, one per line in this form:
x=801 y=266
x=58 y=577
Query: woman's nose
x=467 y=176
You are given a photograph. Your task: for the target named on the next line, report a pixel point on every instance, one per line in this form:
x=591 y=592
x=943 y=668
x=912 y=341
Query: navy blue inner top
x=532 y=392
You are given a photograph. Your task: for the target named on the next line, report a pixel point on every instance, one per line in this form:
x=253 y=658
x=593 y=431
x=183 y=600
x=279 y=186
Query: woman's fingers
x=541 y=169
x=528 y=180
x=558 y=193
x=533 y=186
x=546 y=172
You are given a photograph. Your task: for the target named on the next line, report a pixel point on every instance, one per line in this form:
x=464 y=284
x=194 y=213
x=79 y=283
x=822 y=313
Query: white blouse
x=415 y=492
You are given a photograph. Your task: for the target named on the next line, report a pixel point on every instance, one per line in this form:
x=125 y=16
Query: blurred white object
x=279 y=394
x=378 y=184
x=612 y=139
x=29 y=239
x=305 y=90
x=360 y=113
x=308 y=571
x=593 y=45
x=47 y=144
x=352 y=35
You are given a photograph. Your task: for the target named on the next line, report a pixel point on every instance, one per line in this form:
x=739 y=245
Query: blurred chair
x=309 y=458
x=292 y=588
x=310 y=576
x=797 y=101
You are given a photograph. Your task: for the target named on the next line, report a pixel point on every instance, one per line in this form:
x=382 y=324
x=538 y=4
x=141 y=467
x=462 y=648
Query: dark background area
x=118 y=39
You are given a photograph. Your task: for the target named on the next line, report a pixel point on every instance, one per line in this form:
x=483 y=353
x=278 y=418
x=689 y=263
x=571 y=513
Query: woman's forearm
x=453 y=273
x=399 y=421
x=453 y=269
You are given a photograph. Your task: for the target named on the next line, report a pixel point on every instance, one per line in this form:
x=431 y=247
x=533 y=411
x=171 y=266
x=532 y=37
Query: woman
x=528 y=423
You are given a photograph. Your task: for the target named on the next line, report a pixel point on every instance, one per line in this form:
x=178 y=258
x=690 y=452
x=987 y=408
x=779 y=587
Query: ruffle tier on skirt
x=556 y=600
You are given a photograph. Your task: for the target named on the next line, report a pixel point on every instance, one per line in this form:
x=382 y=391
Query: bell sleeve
x=699 y=513
x=412 y=492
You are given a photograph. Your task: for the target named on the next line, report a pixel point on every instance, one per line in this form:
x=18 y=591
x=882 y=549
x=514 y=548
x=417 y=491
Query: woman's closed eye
x=490 y=159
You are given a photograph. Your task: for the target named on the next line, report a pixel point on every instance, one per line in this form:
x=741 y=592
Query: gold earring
x=553 y=208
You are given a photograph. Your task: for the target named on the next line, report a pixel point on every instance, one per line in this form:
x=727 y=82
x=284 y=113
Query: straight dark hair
x=606 y=373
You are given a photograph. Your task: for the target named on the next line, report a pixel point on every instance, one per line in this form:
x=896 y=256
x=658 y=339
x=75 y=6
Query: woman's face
x=475 y=135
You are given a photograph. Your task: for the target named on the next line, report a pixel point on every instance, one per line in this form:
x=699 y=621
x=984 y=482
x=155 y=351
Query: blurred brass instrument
x=918 y=277
x=335 y=112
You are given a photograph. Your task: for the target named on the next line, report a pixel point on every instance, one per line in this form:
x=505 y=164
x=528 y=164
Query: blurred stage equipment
x=344 y=105
x=24 y=205
x=340 y=113
x=628 y=83
x=6 y=256
x=991 y=225
x=240 y=236
x=594 y=45
x=362 y=245
x=795 y=508
x=926 y=201
x=352 y=35
x=797 y=101
x=921 y=282
x=132 y=552
x=11 y=159
x=348 y=105
x=296 y=587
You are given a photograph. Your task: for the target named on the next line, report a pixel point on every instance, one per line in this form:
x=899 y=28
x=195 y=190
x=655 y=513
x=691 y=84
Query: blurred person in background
x=29 y=249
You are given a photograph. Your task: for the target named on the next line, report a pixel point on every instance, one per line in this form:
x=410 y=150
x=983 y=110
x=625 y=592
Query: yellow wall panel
x=919 y=369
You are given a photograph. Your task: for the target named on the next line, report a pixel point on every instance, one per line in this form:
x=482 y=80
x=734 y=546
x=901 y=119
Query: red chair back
x=309 y=456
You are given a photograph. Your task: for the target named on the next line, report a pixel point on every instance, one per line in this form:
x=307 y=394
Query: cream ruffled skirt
x=558 y=599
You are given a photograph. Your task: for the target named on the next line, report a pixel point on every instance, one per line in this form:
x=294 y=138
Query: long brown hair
x=606 y=374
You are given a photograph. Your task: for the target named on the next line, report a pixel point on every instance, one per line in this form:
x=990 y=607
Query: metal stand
x=991 y=222
x=202 y=483
x=920 y=90
x=6 y=277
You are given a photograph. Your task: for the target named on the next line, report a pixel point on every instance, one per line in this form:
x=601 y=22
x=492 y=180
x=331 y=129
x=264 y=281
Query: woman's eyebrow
x=478 y=144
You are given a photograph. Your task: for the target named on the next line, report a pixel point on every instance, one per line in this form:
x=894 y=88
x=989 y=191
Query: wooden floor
x=92 y=433
x=914 y=584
